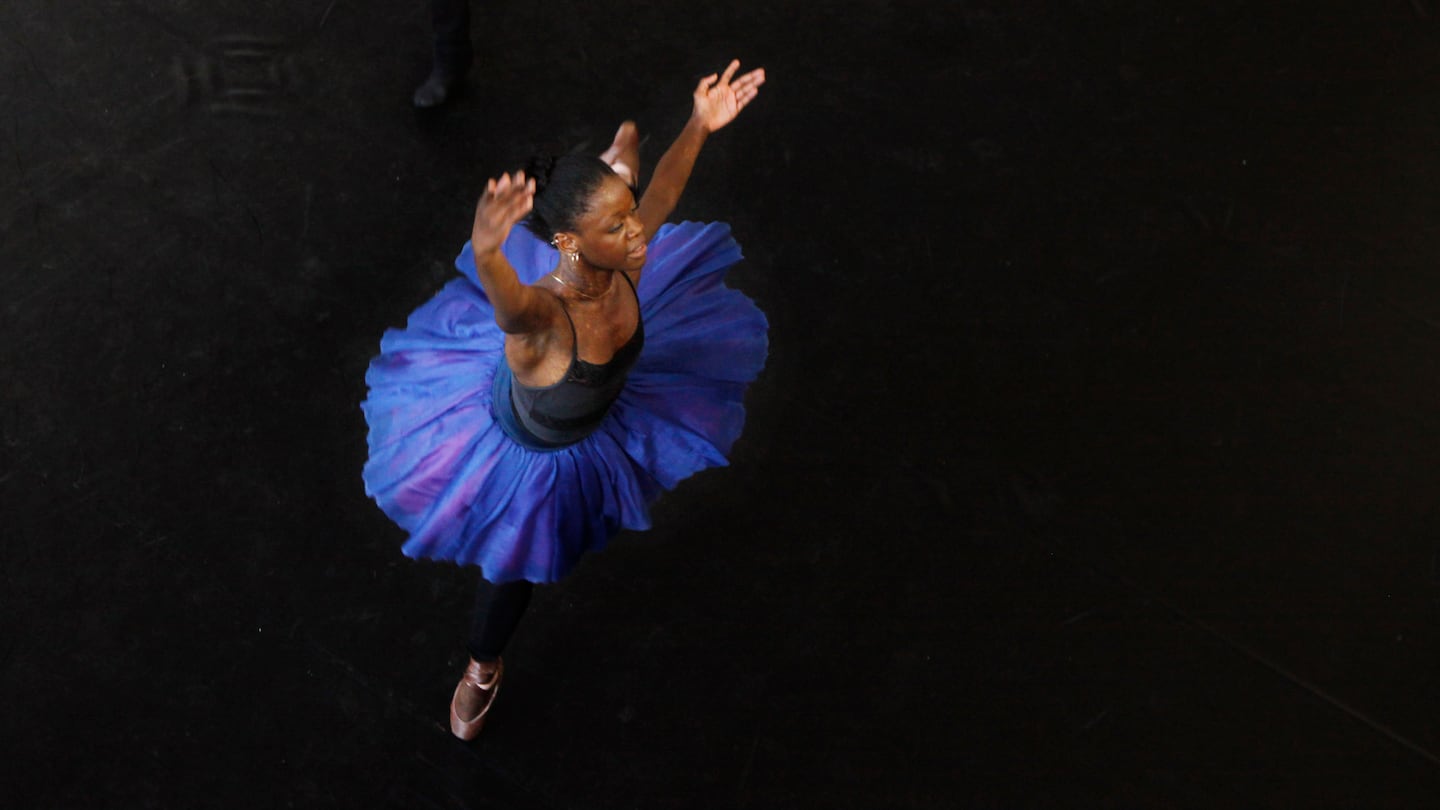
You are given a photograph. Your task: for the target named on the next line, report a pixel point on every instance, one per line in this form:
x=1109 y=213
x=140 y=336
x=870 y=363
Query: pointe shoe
x=472 y=682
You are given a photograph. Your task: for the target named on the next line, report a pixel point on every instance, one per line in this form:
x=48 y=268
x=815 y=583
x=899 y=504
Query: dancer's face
x=610 y=235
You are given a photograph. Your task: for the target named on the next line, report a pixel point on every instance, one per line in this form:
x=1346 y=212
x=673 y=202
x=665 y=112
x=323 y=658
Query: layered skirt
x=443 y=469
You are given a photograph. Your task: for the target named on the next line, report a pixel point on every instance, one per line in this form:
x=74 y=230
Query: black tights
x=498 y=609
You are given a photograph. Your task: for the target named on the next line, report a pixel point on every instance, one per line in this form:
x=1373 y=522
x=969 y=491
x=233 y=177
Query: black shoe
x=437 y=89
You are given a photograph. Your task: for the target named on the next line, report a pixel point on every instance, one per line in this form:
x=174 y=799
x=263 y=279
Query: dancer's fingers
x=729 y=71
x=508 y=213
x=511 y=185
x=520 y=195
x=516 y=210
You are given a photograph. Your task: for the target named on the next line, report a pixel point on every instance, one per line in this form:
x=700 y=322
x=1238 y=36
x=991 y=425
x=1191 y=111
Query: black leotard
x=571 y=409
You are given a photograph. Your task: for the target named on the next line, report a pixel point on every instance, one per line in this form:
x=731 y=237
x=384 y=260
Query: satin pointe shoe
x=473 y=698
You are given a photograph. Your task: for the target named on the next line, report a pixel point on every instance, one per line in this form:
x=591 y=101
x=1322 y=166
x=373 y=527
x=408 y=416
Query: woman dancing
x=538 y=405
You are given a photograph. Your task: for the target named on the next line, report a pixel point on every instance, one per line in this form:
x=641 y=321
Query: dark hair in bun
x=563 y=186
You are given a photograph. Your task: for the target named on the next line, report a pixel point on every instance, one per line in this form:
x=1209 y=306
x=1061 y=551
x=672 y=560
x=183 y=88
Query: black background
x=1093 y=466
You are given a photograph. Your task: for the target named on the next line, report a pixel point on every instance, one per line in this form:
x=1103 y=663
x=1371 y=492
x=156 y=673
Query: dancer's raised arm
x=717 y=100
x=519 y=308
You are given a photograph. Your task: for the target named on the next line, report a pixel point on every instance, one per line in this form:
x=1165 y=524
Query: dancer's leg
x=453 y=51
x=498 y=609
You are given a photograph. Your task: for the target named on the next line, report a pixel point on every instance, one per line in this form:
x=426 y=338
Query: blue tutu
x=442 y=468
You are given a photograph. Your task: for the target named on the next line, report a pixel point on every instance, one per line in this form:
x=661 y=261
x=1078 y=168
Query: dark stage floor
x=1094 y=463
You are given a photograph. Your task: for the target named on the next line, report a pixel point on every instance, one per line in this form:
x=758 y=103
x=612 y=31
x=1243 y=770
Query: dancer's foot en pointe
x=624 y=154
x=474 y=696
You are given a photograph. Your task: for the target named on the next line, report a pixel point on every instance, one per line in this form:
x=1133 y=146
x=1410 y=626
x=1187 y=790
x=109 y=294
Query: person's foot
x=437 y=88
x=624 y=154
x=474 y=696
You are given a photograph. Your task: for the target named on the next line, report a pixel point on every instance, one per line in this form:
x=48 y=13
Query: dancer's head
x=563 y=188
x=583 y=208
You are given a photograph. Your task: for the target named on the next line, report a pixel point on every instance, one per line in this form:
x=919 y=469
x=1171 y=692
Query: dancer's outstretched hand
x=505 y=202
x=718 y=99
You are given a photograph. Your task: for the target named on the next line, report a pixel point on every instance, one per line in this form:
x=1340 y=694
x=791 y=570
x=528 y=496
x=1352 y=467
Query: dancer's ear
x=565 y=242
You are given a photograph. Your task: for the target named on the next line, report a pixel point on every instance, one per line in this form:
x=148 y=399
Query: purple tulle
x=442 y=469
